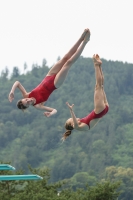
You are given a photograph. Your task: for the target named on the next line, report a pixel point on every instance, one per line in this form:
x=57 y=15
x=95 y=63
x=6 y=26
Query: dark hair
x=20 y=105
x=68 y=132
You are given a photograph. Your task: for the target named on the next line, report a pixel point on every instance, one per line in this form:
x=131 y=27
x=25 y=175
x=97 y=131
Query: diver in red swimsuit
x=53 y=80
x=101 y=105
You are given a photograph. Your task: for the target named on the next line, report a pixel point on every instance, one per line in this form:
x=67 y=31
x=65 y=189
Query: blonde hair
x=68 y=132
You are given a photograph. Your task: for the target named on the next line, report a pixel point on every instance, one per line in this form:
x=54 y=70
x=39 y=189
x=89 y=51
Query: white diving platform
x=6 y=167
x=20 y=177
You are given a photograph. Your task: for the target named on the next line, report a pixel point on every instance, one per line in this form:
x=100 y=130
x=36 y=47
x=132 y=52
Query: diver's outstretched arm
x=18 y=85
x=48 y=111
x=76 y=126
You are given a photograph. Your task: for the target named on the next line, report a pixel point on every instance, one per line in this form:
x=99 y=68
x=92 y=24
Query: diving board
x=6 y=167
x=20 y=177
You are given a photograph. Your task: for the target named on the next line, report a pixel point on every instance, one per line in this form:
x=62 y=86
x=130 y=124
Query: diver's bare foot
x=96 y=60
x=84 y=33
x=87 y=36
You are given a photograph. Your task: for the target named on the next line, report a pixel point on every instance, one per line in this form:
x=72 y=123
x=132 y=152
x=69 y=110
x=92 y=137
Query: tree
x=5 y=73
x=126 y=176
x=44 y=62
x=15 y=72
x=41 y=189
x=25 y=66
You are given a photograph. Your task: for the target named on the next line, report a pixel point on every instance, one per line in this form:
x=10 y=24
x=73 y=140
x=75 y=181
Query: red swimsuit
x=93 y=115
x=42 y=92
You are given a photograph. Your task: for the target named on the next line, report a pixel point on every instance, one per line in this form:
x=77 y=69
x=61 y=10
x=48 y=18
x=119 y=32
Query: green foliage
x=103 y=191
x=42 y=189
x=79 y=179
x=15 y=72
x=31 y=138
x=126 y=176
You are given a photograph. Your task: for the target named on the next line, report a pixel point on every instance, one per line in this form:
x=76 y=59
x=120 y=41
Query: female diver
x=53 y=80
x=101 y=105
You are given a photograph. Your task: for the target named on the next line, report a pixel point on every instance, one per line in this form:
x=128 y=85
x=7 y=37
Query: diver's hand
x=70 y=107
x=11 y=96
x=47 y=114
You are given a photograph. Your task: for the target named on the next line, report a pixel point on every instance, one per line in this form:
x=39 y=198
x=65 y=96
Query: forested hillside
x=30 y=137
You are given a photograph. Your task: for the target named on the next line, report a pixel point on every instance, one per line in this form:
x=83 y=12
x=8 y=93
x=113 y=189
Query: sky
x=31 y=30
